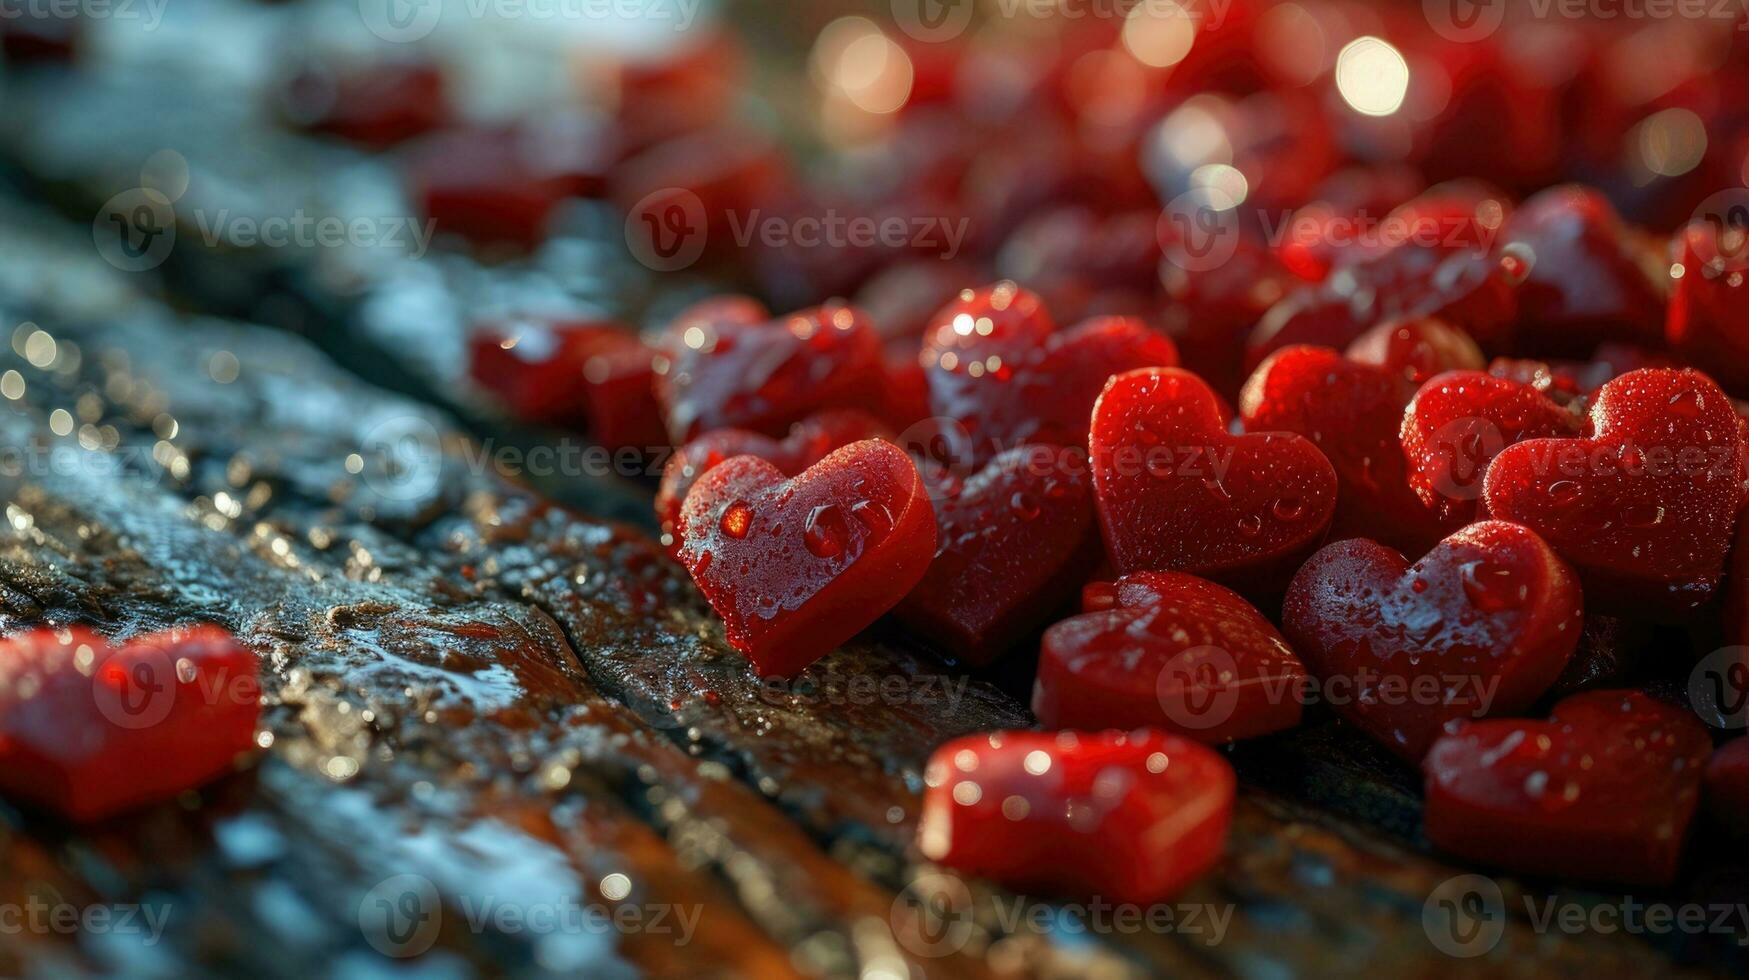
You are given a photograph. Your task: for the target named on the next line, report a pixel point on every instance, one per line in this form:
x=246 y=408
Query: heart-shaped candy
x=572 y=372
x=1458 y=423
x=1482 y=625
x=807 y=443
x=1352 y=413
x=1603 y=791
x=727 y=370
x=89 y=729
x=1417 y=349
x=997 y=367
x=1171 y=651
x=1013 y=543
x=797 y=566
x=1121 y=817
x=1707 y=321
x=1644 y=507
x=1177 y=492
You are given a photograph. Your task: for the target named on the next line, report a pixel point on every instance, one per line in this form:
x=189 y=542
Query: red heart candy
x=1176 y=492
x=1459 y=422
x=1483 y=624
x=727 y=370
x=89 y=729
x=1171 y=651
x=1604 y=790
x=1417 y=350
x=1121 y=817
x=1644 y=507
x=1708 y=317
x=807 y=443
x=997 y=368
x=1211 y=307
x=1352 y=413
x=1588 y=280
x=581 y=373
x=1013 y=543
x=796 y=567
x=1727 y=786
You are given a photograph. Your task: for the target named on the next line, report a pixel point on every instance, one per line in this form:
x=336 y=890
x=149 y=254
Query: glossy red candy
x=1352 y=413
x=1588 y=282
x=89 y=729
x=1645 y=506
x=1210 y=310
x=1171 y=651
x=1708 y=317
x=572 y=372
x=997 y=367
x=1177 y=492
x=728 y=370
x=1417 y=349
x=1602 y=791
x=1120 y=817
x=806 y=444
x=1482 y=625
x=377 y=105
x=1727 y=786
x=1459 y=422
x=797 y=566
x=493 y=186
x=1077 y=260
x=1014 y=542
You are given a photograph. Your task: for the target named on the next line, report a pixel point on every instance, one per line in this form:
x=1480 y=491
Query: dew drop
x=736 y=520
x=1492 y=587
x=825 y=532
x=1289 y=509
x=873 y=515
x=1564 y=492
x=1250 y=525
x=1025 y=505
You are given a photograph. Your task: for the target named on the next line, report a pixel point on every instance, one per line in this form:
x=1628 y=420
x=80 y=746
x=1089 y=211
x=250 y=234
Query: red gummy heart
x=378 y=104
x=494 y=186
x=1708 y=318
x=1603 y=791
x=728 y=368
x=1352 y=413
x=580 y=373
x=1171 y=651
x=1121 y=817
x=796 y=567
x=1417 y=350
x=997 y=367
x=1176 y=492
x=1587 y=280
x=1459 y=422
x=1212 y=307
x=807 y=443
x=1727 y=786
x=1644 y=507
x=1482 y=625
x=1013 y=543
x=89 y=729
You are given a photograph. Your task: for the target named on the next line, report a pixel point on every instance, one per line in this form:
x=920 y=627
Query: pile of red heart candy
x=1229 y=459
x=89 y=729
